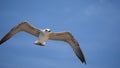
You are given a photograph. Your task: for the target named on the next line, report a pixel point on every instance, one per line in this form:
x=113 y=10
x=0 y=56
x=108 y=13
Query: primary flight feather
x=44 y=35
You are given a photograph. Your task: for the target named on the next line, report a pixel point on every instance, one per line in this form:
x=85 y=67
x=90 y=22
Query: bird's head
x=47 y=30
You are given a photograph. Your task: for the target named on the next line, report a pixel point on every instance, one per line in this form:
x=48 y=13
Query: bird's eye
x=49 y=31
x=46 y=30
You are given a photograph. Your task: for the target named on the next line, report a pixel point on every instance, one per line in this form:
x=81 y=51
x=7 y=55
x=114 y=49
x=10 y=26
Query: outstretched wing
x=67 y=37
x=24 y=26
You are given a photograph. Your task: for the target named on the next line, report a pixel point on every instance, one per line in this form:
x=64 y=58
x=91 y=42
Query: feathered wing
x=24 y=26
x=67 y=37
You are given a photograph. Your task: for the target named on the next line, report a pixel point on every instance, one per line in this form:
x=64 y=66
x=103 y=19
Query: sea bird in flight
x=44 y=35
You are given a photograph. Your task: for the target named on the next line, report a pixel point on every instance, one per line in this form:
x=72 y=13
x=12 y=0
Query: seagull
x=44 y=35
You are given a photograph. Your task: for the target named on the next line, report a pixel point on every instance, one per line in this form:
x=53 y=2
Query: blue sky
x=94 y=23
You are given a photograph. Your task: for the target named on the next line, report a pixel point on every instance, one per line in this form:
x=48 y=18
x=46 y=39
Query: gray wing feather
x=24 y=26
x=67 y=37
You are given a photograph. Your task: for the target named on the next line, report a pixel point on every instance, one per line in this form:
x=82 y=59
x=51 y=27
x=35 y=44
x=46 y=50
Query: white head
x=47 y=30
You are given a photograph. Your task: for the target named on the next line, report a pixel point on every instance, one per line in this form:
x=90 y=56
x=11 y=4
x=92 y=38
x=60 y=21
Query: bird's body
x=44 y=35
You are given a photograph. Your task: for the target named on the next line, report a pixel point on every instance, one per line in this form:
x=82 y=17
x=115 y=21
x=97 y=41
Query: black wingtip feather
x=84 y=62
x=1 y=42
x=82 y=59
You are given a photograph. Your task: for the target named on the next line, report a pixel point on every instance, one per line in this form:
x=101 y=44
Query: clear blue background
x=94 y=23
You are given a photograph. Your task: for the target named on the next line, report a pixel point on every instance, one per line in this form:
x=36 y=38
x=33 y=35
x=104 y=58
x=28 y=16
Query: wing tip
x=82 y=59
x=84 y=62
x=1 y=42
